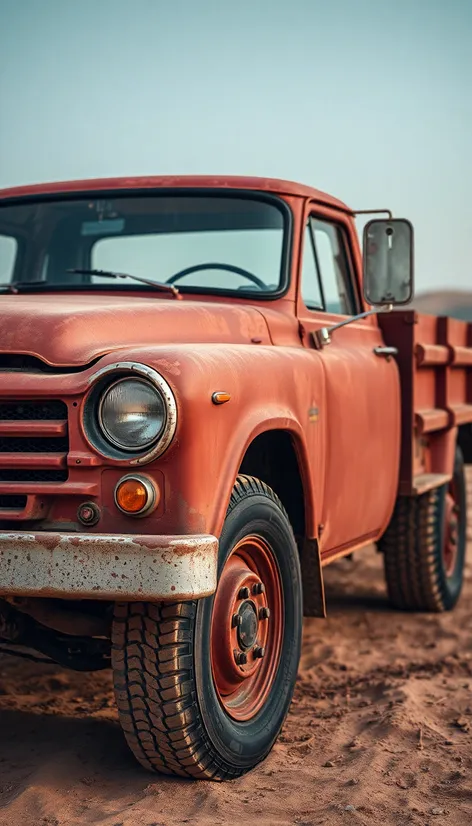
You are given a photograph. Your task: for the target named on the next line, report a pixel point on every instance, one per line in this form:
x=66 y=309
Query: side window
x=331 y=265
x=8 y=247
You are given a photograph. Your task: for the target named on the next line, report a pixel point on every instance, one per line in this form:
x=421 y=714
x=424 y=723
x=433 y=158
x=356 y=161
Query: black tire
x=168 y=705
x=415 y=567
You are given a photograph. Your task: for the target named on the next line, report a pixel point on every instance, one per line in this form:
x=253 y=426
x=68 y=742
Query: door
x=361 y=419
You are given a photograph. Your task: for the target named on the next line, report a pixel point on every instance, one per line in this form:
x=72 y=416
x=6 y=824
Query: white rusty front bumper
x=97 y=566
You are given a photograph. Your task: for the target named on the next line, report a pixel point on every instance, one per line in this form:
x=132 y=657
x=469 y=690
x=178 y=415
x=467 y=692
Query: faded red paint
x=435 y=361
x=381 y=424
x=274 y=185
x=86 y=326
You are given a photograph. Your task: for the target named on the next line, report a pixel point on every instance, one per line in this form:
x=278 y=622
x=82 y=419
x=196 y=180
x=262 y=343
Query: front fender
x=270 y=388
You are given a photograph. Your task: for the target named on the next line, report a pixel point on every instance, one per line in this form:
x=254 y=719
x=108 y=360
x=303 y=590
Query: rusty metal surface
x=261 y=354
x=428 y=355
x=96 y=566
x=427 y=481
x=435 y=362
x=24 y=428
x=86 y=326
x=194 y=371
x=33 y=460
x=359 y=417
x=427 y=421
x=199 y=347
x=179 y=181
x=461 y=356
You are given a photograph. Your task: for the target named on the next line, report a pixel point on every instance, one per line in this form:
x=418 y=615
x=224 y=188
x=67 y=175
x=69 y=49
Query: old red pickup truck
x=207 y=395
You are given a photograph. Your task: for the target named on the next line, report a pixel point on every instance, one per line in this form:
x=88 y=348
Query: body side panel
x=363 y=404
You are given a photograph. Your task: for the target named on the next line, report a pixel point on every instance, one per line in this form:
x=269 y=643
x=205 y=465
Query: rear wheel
x=424 y=546
x=203 y=688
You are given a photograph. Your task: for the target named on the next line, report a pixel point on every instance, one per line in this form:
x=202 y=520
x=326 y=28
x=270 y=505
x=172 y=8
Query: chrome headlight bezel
x=97 y=435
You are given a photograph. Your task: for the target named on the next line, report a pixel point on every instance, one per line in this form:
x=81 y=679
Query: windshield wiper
x=166 y=288
x=17 y=286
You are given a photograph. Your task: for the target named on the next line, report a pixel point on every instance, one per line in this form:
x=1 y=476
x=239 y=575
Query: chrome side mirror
x=388 y=262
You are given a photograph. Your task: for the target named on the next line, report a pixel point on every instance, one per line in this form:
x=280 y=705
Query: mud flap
x=314 y=603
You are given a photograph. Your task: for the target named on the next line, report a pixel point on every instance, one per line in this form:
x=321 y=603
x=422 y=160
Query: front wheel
x=203 y=688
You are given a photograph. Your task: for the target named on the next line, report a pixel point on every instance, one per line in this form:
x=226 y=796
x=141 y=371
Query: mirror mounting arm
x=322 y=337
x=374 y=212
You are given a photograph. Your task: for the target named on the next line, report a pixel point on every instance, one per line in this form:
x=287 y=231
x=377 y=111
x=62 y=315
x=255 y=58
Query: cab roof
x=278 y=187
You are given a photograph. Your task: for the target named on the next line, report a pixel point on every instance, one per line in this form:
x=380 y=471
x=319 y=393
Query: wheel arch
x=274 y=457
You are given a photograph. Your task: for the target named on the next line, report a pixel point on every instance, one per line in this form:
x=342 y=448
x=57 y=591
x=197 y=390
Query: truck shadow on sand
x=39 y=723
x=83 y=755
x=42 y=737
x=352 y=585
x=64 y=760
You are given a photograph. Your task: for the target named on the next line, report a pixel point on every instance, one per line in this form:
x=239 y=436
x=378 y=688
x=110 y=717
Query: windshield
x=200 y=243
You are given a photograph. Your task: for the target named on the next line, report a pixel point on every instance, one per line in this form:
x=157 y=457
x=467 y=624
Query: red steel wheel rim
x=247 y=628
x=451 y=530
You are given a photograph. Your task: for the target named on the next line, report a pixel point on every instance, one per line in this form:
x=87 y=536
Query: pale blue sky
x=371 y=101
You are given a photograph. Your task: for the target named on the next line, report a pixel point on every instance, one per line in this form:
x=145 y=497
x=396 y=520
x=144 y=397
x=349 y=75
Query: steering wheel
x=214 y=266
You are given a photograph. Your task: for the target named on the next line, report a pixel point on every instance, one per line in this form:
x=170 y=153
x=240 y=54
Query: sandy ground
x=379 y=731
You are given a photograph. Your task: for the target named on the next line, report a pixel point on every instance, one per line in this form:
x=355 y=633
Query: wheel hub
x=241 y=624
x=246 y=628
x=248 y=625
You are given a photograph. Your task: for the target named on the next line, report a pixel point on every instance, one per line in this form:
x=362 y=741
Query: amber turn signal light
x=136 y=495
x=220 y=397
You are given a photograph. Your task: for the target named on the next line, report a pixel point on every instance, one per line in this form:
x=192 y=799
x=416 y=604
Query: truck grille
x=33 y=441
x=12 y=502
x=35 y=444
x=40 y=411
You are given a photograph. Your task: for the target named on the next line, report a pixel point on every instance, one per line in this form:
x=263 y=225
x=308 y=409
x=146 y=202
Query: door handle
x=386 y=351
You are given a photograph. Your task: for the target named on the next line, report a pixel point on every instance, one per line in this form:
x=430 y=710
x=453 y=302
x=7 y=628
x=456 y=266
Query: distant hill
x=455 y=303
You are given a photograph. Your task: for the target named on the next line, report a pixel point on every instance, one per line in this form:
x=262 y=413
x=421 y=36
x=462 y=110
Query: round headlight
x=132 y=414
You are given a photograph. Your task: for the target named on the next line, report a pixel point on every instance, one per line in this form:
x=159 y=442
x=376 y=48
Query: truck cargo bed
x=435 y=364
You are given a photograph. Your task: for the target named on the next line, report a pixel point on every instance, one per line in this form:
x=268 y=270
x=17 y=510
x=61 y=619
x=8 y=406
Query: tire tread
x=152 y=659
x=411 y=553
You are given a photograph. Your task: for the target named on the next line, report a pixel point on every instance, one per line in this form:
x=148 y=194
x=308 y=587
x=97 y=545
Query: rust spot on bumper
x=97 y=566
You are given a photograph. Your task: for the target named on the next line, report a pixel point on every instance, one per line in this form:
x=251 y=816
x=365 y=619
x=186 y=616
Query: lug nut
x=258 y=588
x=240 y=657
x=243 y=592
x=236 y=620
x=264 y=613
x=259 y=652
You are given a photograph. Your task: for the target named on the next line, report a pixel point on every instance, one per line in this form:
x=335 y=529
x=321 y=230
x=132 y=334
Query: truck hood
x=73 y=330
